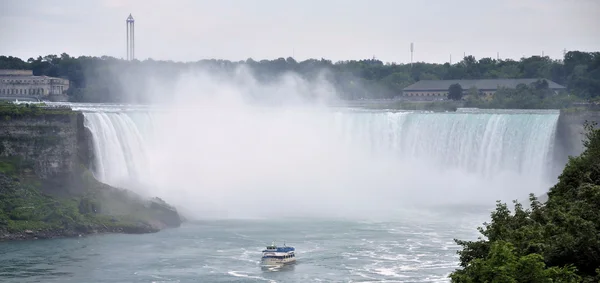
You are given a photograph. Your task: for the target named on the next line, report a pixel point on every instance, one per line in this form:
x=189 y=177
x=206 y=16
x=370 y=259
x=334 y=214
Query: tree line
x=536 y=95
x=108 y=79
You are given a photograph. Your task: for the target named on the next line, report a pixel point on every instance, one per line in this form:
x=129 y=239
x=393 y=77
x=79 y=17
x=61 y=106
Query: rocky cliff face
x=53 y=143
x=569 y=135
x=47 y=190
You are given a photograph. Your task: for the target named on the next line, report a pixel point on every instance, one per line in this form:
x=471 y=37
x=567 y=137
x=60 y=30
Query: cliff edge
x=47 y=190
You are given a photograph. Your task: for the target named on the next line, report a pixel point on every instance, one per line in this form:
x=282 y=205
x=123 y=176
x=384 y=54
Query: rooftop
x=20 y=77
x=487 y=84
x=9 y=72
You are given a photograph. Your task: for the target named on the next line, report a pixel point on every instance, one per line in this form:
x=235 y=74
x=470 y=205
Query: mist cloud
x=227 y=145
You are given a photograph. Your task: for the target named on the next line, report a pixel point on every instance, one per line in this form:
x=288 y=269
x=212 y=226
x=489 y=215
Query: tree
x=455 y=92
x=369 y=78
x=473 y=98
x=540 y=85
x=558 y=241
x=514 y=268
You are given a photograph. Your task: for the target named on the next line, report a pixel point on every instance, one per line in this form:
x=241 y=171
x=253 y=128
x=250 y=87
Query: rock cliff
x=46 y=189
x=48 y=139
x=569 y=135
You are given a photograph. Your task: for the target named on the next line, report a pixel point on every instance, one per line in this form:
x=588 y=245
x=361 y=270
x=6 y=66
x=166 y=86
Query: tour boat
x=274 y=255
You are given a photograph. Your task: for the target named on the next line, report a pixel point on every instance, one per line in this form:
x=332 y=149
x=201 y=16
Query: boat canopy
x=279 y=249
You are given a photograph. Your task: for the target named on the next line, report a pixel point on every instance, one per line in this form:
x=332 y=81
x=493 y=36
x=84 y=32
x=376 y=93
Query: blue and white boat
x=274 y=255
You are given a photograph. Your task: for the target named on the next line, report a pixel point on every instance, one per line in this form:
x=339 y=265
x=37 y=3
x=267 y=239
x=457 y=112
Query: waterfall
x=483 y=143
x=357 y=154
x=119 y=147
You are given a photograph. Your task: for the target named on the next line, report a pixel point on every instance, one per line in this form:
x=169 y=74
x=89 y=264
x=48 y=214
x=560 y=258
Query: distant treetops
x=100 y=79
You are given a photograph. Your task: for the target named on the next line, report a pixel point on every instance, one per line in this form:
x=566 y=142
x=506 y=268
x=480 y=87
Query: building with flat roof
x=438 y=89
x=23 y=84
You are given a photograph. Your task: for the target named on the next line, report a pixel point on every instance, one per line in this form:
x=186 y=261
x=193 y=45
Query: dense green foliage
x=23 y=206
x=455 y=92
x=10 y=110
x=555 y=241
x=13 y=110
x=535 y=96
x=107 y=79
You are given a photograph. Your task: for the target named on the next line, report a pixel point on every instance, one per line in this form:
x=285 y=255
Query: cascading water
x=119 y=147
x=232 y=161
x=485 y=144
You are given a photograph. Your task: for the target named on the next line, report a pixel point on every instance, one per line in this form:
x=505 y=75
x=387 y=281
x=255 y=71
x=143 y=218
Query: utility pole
x=412 y=48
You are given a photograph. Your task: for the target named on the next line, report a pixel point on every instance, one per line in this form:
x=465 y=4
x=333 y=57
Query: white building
x=22 y=83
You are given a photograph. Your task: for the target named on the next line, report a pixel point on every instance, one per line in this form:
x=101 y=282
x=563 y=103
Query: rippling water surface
x=414 y=248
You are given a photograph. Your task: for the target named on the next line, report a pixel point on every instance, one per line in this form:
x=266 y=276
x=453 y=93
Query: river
x=364 y=196
x=417 y=248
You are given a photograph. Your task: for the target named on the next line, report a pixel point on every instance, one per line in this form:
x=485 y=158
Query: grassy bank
x=27 y=212
x=9 y=110
x=437 y=106
x=450 y=105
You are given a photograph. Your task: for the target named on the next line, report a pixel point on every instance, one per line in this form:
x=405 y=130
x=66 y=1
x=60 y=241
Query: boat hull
x=277 y=261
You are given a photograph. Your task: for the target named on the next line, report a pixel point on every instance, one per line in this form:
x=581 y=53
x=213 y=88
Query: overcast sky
x=189 y=30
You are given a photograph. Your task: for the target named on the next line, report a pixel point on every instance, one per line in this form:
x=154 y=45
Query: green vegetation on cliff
x=9 y=110
x=108 y=79
x=26 y=211
x=555 y=241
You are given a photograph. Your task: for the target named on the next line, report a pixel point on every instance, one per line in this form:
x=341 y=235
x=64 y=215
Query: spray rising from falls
x=322 y=162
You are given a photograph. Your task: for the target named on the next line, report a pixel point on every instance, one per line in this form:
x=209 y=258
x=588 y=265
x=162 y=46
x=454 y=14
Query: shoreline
x=28 y=235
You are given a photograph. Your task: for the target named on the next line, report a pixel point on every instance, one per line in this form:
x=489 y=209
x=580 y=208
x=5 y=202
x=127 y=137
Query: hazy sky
x=189 y=30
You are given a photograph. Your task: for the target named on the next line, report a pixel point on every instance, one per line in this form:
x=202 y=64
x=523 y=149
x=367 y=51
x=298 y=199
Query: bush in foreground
x=556 y=241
